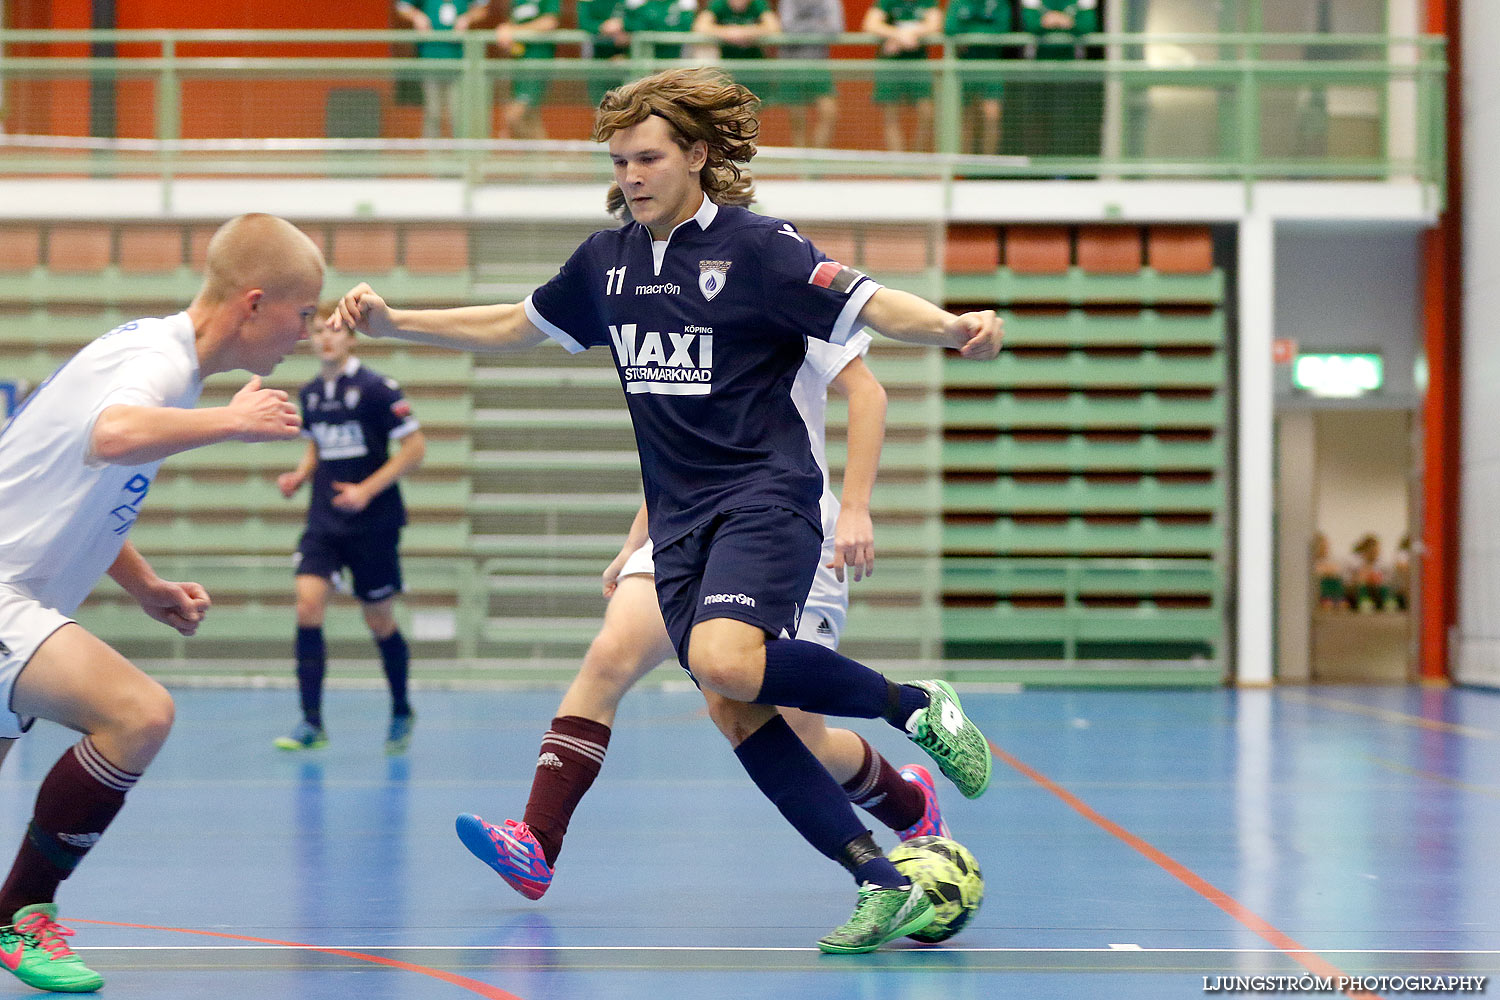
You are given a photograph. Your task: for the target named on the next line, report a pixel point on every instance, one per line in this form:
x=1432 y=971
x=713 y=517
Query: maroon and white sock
x=880 y=790
x=571 y=754
x=77 y=800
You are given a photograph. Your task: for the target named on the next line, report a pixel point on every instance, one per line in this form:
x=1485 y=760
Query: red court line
x=1239 y=911
x=472 y=985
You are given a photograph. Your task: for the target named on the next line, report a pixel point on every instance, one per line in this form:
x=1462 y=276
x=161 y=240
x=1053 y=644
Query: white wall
x=1477 y=649
x=1362 y=464
x=1351 y=288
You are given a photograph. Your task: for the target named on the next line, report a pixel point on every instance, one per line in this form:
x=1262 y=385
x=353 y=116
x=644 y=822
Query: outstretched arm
x=854 y=533
x=466 y=328
x=904 y=316
x=136 y=435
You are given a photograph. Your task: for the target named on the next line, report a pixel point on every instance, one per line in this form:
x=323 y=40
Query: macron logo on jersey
x=835 y=276
x=680 y=365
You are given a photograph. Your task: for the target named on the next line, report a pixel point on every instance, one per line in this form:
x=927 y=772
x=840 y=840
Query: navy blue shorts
x=371 y=558
x=754 y=564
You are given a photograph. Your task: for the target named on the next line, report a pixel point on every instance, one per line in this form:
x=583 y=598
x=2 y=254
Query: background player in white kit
x=633 y=640
x=76 y=461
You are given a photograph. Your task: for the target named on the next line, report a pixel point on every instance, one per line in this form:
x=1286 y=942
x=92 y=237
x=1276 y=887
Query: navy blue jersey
x=708 y=330
x=353 y=421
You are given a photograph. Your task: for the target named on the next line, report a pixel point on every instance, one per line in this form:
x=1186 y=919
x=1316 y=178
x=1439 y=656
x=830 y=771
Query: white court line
x=1113 y=949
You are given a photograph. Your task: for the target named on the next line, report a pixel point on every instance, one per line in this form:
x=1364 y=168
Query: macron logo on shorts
x=744 y=599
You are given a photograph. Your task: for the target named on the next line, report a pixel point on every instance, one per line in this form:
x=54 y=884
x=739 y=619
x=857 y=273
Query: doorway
x=1344 y=524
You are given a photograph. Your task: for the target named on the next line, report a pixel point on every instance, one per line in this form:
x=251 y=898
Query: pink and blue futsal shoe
x=931 y=823
x=512 y=850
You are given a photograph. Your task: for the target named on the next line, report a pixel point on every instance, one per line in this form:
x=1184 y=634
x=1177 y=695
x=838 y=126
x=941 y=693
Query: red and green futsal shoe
x=930 y=823
x=32 y=947
x=512 y=850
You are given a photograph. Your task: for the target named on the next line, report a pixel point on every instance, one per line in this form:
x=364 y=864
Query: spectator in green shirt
x=901 y=25
x=809 y=89
x=523 y=112
x=654 y=15
x=739 y=25
x=981 y=98
x=1059 y=118
x=439 y=92
x=593 y=15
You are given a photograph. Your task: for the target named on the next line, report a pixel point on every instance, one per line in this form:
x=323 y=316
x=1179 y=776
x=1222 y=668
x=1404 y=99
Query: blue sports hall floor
x=1134 y=842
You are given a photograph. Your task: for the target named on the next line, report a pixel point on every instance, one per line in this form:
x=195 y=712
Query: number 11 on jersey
x=614 y=280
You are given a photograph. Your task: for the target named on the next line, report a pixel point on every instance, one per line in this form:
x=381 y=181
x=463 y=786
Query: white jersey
x=64 y=515
x=822 y=365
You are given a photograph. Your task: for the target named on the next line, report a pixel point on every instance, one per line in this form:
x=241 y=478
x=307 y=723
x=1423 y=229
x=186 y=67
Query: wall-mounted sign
x=1338 y=376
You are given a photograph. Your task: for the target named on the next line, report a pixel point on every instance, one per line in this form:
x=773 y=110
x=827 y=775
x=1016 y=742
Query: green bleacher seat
x=1082 y=370
x=1079 y=287
x=1078 y=495
x=1077 y=453
x=1145 y=411
x=1143 y=328
x=1081 y=577
x=1147 y=535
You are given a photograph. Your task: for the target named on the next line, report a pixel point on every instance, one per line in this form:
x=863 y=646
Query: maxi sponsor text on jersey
x=664 y=363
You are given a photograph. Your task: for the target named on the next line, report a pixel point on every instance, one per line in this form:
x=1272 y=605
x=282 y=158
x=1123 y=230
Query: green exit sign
x=1339 y=376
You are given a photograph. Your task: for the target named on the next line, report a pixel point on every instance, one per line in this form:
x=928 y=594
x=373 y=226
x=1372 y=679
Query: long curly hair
x=699 y=103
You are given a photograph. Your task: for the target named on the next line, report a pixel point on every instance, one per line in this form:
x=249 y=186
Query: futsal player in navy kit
x=351 y=417
x=706 y=309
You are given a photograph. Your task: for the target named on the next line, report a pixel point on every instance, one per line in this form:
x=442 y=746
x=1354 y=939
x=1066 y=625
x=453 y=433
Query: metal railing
x=1244 y=106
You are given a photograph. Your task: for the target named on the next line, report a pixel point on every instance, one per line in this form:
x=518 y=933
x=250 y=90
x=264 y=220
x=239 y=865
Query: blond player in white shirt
x=76 y=461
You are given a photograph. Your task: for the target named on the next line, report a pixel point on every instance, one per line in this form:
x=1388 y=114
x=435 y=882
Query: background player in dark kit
x=351 y=416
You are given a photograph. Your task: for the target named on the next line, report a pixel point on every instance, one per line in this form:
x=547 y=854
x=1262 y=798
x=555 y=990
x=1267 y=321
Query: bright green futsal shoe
x=305 y=736
x=949 y=738
x=33 y=948
x=882 y=914
x=398 y=737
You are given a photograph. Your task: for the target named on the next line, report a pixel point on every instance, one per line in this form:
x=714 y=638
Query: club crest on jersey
x=712 y=276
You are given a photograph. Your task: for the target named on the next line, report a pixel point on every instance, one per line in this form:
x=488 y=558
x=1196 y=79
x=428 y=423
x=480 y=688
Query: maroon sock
x=77 y=800
x=572 y=753
x=880 y=790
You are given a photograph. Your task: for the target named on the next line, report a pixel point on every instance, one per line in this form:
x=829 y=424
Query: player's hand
x=504 y=37
x=180 y=605
x=853 y=544
x=363 y=310
x=289 y=483
x=978 y=335
x=611 y=575
x=351 y=498
x=264 y=414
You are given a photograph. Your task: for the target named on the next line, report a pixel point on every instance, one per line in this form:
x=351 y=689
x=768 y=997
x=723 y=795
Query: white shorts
x=24 y=625
x=827 y=608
